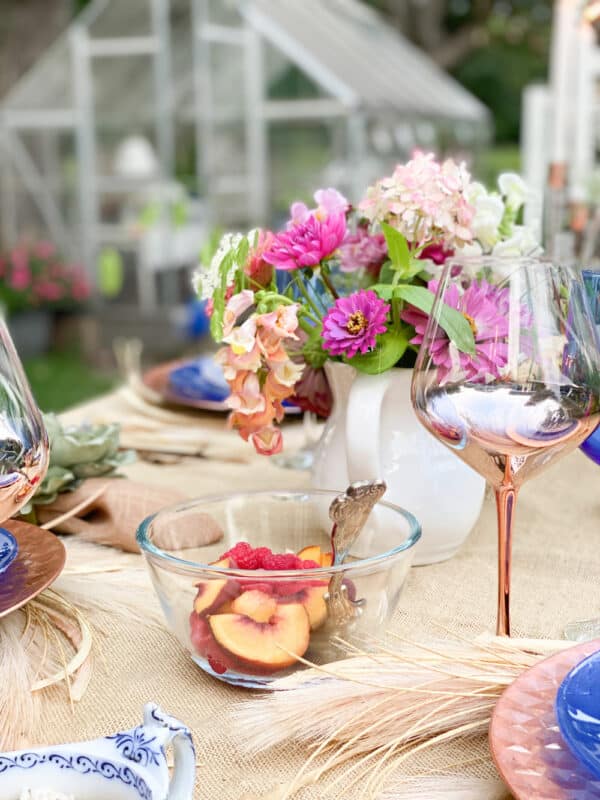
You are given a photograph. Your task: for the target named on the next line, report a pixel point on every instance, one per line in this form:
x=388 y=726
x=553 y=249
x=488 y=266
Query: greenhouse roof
x=349 y=45
x=346 y=48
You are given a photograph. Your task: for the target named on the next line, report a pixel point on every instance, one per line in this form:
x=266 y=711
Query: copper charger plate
x=525 y=740
x=39 y=562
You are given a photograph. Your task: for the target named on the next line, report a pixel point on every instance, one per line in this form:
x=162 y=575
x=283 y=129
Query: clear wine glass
x=530 y=392
x=24 y=450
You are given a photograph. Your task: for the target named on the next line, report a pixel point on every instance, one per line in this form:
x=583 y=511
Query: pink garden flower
x=362 y=250
x=425 y=201
x=307 y=243
x=484 y=306
x=256 y=268
x=329 y=201
x=268 y=441
x=312 y=392
x=236 y=306
x=353 y=323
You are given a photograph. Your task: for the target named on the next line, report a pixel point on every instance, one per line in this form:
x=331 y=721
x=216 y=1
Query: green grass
x=491 y=162
x=61 y=379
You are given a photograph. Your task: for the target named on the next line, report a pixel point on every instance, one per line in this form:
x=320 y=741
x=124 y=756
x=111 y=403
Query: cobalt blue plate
x=578 y=711
x=8 y=549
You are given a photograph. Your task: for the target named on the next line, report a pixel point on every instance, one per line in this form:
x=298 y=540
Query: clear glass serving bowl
x=250 y=627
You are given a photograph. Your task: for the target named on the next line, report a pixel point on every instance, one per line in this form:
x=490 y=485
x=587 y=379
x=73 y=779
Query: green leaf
x=216 y=320
x=397 y=248
x=242 y=251
x=386 y=275
x=313 y=349
x=388 y=351
x=451 y=320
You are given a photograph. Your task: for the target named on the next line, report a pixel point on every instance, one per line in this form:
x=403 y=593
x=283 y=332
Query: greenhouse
x=150 y=122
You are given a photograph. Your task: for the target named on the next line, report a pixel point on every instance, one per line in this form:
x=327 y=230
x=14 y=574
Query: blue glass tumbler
x=591 y=446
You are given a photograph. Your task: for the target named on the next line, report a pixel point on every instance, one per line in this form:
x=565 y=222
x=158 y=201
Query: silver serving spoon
x=348 y=512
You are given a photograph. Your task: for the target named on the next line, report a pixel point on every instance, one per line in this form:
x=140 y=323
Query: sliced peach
x=310 y=553
x=215 y=592
x=257 y=605
x=314 y=553
x=263 y=646
x=312 y=598
x=205 y=645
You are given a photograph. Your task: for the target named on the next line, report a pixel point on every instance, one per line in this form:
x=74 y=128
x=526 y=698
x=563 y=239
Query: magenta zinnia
x=352 y=323
x=485 y=308
x=307 y=243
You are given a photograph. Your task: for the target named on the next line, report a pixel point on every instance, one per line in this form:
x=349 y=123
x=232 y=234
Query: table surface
x=556 y=574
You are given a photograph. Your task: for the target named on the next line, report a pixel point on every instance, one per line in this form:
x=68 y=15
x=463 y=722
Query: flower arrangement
x=355 y=284
x=35 y=276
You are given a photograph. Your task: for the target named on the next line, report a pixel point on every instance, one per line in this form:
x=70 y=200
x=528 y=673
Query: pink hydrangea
x=352 y=324
x=363 y=250
x=425 y=201
x=307 y=243
x=485 y=308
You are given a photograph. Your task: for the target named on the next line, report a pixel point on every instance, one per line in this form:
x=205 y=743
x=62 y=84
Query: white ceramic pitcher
x=373 y=433
x=130 y=765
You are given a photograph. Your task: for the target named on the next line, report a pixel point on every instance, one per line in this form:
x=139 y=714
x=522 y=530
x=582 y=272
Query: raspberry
x=261 y=554
x=243 y=555
x=308 y=564
x=217 y=667
x=259 y=586
x=277 y=561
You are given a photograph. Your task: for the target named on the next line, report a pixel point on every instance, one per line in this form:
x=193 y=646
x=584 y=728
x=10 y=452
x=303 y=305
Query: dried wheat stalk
x=373 y=711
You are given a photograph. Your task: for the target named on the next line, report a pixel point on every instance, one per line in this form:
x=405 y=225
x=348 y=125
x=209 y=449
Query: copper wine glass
x=528 y=394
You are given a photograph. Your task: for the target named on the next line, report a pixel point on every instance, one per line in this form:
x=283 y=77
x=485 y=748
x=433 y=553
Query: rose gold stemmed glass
x=530 y=391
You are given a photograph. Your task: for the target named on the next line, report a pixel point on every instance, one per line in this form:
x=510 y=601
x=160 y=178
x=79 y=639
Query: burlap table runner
x=556 y=580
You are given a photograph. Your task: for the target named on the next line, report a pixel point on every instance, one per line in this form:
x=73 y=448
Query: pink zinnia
x=352 y=323
x=485 y=308
x=308 y=243
x=363 y=250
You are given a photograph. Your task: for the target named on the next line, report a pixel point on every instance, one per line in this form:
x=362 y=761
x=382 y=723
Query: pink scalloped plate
x=526 y=744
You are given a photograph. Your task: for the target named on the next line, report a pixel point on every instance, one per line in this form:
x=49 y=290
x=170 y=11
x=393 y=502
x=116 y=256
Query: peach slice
x=215 y=592
x=314 y=553
x=312 y=598
x=257 y=605
x=263 y=646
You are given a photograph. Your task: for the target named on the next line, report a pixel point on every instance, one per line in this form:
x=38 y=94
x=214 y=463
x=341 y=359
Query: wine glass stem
x=506 y=497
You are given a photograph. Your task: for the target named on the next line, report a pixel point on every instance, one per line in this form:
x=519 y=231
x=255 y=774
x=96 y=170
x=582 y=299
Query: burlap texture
x=555 y=580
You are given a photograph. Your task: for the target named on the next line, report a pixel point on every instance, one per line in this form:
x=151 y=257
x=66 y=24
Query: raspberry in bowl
x=243 y=578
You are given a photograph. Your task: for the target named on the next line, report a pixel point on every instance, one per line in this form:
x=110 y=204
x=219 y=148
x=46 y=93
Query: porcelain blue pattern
x=129 y=765
x=9 y=549
x=578 y=711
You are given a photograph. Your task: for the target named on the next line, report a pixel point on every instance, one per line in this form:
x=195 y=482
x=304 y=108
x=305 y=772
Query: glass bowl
x=249 y=627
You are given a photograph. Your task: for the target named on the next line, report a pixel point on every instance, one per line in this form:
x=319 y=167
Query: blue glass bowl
x=9 y=549
x=578 y=712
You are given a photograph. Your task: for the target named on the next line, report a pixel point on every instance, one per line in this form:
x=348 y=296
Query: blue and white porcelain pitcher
x=130 y=765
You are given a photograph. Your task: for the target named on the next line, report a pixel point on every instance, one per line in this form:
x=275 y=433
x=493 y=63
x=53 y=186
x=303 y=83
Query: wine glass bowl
x=526 y=394
x=24 y=449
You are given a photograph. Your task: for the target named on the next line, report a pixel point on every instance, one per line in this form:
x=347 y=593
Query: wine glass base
x=301 y=459
x=583 y=630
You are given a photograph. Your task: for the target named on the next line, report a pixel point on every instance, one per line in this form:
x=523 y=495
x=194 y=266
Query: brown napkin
x=109 y=510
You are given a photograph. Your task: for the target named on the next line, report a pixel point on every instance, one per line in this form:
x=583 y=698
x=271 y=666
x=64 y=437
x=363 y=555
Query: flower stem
x=303 y=291
x=328 y=284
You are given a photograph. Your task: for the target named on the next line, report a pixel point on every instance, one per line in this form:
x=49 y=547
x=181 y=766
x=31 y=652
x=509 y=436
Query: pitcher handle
x=181 y=785
x=363 y=421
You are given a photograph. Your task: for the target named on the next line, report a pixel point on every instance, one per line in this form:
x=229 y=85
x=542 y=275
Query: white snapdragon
x=489 y=212
x=524 y=241
x=513 y=189
x=207 y=278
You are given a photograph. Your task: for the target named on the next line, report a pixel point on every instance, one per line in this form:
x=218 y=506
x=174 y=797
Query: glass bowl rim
x=150 y=549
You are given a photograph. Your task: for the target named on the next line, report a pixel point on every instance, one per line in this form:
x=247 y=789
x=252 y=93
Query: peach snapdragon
x=258 y=369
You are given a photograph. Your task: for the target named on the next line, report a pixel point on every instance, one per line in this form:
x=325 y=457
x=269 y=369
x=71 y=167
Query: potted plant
x=361 y=280
x=35 y=284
